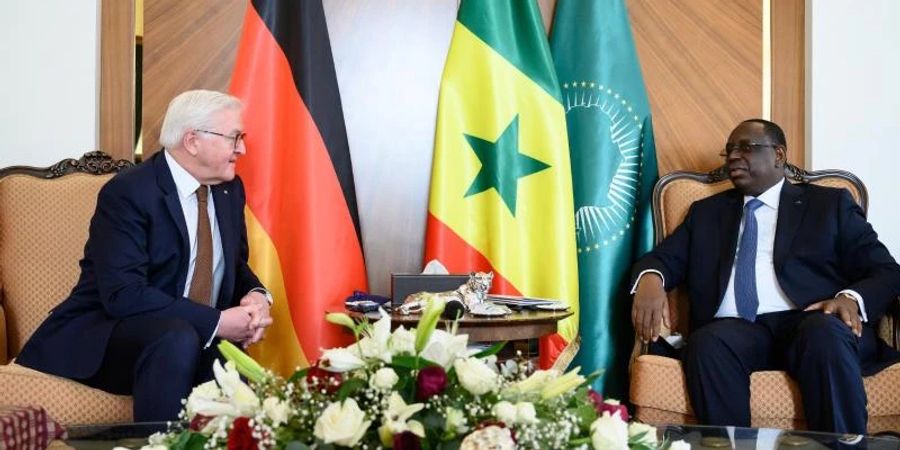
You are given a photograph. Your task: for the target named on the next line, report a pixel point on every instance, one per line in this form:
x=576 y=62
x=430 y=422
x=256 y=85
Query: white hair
x=192 y=110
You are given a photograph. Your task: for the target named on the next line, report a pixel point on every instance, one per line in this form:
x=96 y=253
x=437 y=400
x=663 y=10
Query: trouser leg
x=822 y=355
x=157 y=360
x=718 y=360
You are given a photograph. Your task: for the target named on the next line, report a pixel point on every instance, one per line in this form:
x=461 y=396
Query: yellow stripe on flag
x=271 y=351
x=481 y=94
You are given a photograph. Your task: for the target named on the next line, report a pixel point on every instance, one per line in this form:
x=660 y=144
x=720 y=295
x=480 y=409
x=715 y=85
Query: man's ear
x=780 y=155
x=190 y=142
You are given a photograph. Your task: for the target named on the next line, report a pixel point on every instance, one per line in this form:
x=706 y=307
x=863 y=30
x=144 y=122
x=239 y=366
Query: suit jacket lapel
x=790 y=213
x=167 y=185
x=225 y=219
x=728 y=232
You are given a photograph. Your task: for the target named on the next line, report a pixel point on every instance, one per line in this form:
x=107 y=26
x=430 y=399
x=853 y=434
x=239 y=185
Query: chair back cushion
x=45 y=215
x=675 y=192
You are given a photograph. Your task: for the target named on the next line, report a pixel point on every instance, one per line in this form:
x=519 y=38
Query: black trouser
x=817 y=350
x=156 y=360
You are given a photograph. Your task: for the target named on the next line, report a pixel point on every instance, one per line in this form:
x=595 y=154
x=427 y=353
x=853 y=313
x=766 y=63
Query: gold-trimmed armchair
x=44 y=218
x=658 y=389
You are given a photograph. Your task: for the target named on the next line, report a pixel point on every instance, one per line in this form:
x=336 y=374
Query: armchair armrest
x=3 y=351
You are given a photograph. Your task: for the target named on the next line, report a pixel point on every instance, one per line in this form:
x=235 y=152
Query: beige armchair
x=658 y=388
x=44 y=219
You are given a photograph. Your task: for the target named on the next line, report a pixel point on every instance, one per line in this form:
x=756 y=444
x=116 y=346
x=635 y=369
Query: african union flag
x=501 y=183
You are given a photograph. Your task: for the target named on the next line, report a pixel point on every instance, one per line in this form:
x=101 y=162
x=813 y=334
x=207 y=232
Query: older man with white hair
x=165 y=272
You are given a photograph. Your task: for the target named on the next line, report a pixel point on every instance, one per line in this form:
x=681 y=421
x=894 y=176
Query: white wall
x=854 y=100
x=48 y=80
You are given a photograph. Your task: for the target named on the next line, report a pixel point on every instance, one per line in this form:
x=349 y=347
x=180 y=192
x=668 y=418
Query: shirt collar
x=185 y=183
x=771 y=197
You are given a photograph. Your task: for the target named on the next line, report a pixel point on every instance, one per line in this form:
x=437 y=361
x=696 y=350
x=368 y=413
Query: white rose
x=385 y=378
x=475 y=376
x=456 y=421
x=403 y=341
x=505 y=412
x=492 y=437
x=679 y=445
x=206 y=392
x=609 y=433
x=525 y=413
x=277 y=411
x=342 y=424
x=649 y=434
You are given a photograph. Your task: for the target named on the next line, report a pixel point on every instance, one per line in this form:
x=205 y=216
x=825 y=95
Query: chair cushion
x=68 y=402
x=658 y=385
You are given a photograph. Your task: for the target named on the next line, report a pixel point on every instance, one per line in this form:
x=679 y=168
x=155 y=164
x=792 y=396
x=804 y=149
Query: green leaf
x=349 y=387
x=298 y=375
x=296 y=445
x=411 y=362
x=492 y=350
x=188 y=440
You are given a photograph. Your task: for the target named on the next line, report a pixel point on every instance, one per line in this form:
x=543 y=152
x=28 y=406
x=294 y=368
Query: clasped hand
x=246 y=323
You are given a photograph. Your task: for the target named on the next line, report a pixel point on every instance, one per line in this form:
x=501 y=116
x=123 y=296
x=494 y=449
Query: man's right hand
x=235 y=323
x=650 y=308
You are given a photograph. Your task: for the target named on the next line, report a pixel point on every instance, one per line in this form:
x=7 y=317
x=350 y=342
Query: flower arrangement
x=407 y=389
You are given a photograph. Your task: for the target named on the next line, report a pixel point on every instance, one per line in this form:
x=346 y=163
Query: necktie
x=201 y=283
x=745 y=296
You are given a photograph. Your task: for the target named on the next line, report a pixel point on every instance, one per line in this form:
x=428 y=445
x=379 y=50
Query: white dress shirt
x=187 y=185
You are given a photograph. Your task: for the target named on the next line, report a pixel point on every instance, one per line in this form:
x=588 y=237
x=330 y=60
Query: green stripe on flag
x=514 y=29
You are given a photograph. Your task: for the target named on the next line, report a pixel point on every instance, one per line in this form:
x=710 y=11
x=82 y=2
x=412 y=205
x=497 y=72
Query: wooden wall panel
x=702 y=63
x=116 y=127
x=187 y=45
x=788 y=74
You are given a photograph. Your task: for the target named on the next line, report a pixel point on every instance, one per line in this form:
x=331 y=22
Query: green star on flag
x=502 y=164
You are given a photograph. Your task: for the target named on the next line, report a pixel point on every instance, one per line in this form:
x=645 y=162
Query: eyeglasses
x=745 y=148
x=236 y=139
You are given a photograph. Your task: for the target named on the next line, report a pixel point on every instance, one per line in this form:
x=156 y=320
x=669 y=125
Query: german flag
x=302 y=221
x=501 y=181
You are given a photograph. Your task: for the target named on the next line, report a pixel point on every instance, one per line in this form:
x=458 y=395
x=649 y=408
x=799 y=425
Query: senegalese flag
x=501 y=184
x=302 y=221
x=614 y=169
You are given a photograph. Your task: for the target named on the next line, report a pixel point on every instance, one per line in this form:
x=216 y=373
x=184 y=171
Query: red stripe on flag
x=292 y=189
x=443 y=244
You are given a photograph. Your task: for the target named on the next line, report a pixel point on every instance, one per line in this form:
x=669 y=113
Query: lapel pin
x=225 y=191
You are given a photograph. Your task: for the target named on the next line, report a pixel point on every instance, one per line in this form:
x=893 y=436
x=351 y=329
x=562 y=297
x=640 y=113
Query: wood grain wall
x=702 y=63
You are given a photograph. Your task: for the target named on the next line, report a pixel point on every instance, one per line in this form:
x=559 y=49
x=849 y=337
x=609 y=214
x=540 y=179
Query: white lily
x=403 y=341
x=535 y=382
x=342 y=359
x=444 y=348
x=396 y=419
x=206 y=392
x=239 y=394
x=375 y=343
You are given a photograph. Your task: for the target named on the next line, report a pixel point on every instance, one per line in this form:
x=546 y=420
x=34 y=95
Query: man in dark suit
x=780 y=277
x=164 y=273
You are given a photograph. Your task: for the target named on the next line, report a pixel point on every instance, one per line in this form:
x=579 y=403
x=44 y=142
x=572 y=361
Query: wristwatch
x=265 y=292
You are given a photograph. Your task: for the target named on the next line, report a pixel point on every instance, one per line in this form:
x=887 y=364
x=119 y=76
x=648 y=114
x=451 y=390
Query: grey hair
x=193 y=110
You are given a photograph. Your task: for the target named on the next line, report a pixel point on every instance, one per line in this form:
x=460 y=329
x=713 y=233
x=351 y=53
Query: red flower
x=431 y=381
x=241 y=436
x=199 y=421
x=320 y=378
x=601 y=406
x=406 y=441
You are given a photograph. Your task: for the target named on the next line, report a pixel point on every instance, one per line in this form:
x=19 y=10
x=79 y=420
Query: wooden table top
x=525 y=324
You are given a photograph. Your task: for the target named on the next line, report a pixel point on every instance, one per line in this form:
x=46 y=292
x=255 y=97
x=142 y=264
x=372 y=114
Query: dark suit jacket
x=135 y=263
x=823 y=244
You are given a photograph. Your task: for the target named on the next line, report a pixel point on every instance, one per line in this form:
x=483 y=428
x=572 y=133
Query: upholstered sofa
x=658 y=388
x=44 y=219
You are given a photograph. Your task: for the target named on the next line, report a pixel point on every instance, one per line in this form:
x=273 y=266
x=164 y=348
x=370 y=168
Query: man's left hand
x=261 y=319
x=845 y=308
